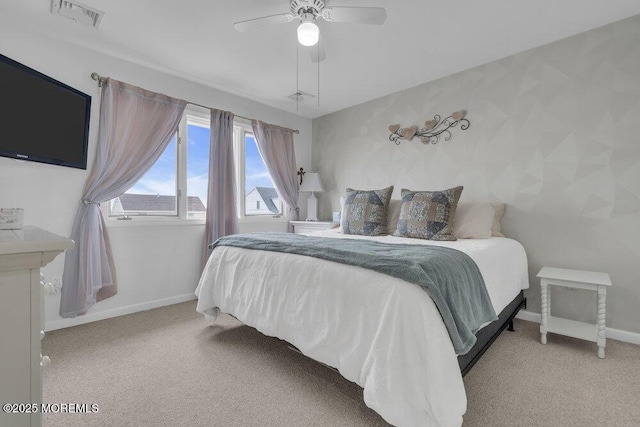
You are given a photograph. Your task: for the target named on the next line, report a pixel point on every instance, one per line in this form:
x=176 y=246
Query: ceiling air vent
x=76 y=11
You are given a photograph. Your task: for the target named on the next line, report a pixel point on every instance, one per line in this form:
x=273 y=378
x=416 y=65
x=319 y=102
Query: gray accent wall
x=555 y=134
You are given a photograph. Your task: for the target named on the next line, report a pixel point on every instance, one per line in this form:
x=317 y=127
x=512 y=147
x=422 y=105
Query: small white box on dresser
x=11 y=218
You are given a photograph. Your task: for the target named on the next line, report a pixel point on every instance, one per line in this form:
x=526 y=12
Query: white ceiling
x=420 y=41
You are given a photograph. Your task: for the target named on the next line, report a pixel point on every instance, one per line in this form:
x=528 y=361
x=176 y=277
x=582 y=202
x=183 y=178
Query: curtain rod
x=97 y=77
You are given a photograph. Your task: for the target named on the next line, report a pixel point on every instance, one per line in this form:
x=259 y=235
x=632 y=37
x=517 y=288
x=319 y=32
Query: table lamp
x=312 y=184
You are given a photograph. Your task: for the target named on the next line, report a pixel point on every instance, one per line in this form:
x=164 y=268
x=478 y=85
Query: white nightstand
x=302 y=227
x=579 y=280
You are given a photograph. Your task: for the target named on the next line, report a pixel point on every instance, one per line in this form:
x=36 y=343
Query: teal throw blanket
x=449 y=276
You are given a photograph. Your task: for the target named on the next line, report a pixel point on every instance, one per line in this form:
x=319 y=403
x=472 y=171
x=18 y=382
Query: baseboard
x=120 y=311
x=529 y=316
x=614 y=334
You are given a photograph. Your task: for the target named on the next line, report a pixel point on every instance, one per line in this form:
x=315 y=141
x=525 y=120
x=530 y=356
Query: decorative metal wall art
x=433 y=129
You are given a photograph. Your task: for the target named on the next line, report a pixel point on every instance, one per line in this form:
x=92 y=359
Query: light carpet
x=167 y=367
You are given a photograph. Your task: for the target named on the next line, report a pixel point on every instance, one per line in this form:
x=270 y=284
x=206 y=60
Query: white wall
x=155 y=263
x=554 y=134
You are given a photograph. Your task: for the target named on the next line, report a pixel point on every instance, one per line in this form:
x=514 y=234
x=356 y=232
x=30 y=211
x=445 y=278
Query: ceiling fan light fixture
x=308 y=33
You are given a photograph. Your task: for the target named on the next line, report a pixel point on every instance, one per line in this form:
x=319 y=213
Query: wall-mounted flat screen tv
x=42 y=119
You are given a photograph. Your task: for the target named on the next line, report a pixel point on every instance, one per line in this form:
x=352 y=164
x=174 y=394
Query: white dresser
x=22 y=253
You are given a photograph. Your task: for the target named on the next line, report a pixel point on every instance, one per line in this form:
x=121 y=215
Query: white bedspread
x=380 y=332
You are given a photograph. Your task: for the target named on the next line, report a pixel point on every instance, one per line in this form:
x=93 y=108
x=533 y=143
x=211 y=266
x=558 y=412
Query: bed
x=381 y=332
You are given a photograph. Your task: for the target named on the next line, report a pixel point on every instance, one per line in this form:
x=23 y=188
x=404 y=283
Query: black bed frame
x=487 y=335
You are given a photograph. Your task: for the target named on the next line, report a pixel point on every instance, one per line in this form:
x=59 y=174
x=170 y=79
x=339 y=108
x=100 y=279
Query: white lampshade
x=311 y=182
x=308 y=33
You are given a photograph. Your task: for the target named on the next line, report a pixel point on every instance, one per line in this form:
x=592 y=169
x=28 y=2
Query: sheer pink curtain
x=135 y=128
x=222 y=215
x=275 y=144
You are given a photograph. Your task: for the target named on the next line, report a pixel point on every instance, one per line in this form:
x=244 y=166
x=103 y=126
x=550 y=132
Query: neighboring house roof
x=268 y=194
x=151 y=202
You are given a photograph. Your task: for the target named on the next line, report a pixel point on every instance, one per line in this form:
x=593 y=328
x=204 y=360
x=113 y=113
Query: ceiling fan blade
x=265 y=21
x=317 y=53
x=359 y=15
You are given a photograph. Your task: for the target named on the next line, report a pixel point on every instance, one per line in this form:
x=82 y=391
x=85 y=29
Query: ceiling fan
x=308 y=11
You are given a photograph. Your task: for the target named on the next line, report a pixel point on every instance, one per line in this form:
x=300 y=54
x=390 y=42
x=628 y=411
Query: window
x=257 y=194
x=197 y=152
x=183 y=168
x=155 y=193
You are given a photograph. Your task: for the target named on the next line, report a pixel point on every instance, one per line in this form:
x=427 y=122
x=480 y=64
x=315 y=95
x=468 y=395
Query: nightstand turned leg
x=602 y=340
x=544 y=311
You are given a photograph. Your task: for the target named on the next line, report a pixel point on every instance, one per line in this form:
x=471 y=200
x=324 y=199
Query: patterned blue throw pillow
x=365 y=212
x=428 y=214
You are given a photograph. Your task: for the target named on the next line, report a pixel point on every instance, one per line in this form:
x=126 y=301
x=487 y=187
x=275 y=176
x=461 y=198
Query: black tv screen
x=42 y=119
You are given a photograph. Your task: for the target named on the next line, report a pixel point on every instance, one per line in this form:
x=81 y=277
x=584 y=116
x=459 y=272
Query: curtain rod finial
x=95 y=76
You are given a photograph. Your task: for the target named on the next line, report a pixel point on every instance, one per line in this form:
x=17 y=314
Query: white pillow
x=393 y=215
x=474 y=221
x=342 y=200
x=495 y=228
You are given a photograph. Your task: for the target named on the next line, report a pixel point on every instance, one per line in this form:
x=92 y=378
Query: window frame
x=199 y=116
x=241 y=127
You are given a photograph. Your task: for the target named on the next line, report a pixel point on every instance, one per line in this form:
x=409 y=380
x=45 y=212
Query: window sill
x=263 y=219
x=151 y=222
x=164 y=221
